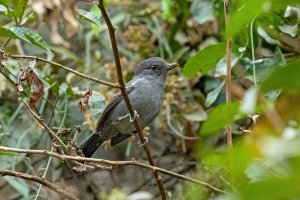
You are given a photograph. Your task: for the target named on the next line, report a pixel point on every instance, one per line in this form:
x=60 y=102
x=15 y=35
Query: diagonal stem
x=228 y=69
x=112 y=30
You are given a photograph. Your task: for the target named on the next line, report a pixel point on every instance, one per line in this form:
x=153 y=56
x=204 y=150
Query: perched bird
x=145 y=91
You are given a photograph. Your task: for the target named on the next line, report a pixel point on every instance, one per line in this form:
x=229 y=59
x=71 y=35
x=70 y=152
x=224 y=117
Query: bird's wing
x=114 y=101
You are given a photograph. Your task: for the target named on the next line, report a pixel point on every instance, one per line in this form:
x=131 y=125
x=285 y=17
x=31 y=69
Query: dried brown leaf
x=36 y=85
x=70 y=17
x=85 y=99
x=55 y=11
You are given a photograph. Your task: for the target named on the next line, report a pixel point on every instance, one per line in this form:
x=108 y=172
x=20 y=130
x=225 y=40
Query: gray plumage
x=145 y=92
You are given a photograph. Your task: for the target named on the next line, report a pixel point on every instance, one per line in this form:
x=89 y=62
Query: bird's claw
x=135 y=116
x=141 y=144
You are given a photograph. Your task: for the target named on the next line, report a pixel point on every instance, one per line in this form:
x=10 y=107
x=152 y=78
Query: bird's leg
x=134 y=133
x=123 y=117
x=131 y=119
x=135 y=116
x=144 y=143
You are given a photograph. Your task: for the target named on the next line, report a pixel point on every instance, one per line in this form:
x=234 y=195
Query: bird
x=145 y=91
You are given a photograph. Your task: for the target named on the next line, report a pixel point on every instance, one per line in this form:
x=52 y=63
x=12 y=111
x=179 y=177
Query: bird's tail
x=91 y=144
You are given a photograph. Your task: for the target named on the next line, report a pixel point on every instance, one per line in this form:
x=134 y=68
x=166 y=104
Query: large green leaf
x=248 y=10
x=220 y=117
x=25 y=34
x=204 y=60
x=286 y=78
x=243 y=16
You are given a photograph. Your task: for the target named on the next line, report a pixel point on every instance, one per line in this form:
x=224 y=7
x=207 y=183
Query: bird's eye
x=154 y=67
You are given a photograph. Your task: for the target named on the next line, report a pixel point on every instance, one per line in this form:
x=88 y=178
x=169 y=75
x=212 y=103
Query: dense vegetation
x=51 y=49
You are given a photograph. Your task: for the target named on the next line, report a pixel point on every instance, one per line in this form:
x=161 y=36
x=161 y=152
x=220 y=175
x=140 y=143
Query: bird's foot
x=141 y=144
x=135 y=116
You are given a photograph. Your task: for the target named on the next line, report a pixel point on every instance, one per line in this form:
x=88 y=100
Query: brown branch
x=41 y=122
x=66 y=68
x=228 y=70
x=112 y=30
x=114 y=164
x=38 y=180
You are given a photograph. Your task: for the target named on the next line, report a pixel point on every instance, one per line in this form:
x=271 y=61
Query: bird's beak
x=171 y=66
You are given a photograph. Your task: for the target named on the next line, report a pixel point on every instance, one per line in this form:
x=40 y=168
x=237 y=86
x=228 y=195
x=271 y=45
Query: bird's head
x=154 y=67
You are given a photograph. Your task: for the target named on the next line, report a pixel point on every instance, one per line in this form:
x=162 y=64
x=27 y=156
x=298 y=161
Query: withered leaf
x=53 y=13
x=36 y=86
x=21 y=77
x=85 y=99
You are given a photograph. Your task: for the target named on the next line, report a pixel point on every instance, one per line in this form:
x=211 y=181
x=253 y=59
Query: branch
x=41 y=122
x=228 y=70
x=66 y=68
x=112 y=30
x=114 y=164
x=38 y=180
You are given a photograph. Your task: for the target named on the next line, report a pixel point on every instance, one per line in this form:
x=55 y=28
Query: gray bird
x=145 y=91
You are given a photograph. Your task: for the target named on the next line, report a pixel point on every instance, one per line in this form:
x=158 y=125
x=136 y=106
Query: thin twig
x=67 y=69
x=228 y=70
x=114 y=164
x=112 y=30
x=253 y=51
x=174 y=130
x=41 y=122
x=38 y=180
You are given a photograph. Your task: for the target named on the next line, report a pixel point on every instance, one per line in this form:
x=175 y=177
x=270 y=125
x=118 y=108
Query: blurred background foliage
x=188 y=136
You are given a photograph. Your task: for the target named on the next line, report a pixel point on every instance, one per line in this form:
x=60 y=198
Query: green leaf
x=257 y=171
x=89 y=16
x=167 y=10
x=2 y=153
x=280 y=187
x=25 y=34
x=212 y=95
x=286 y=78
x=204 y=60
x=220 y=117
x=244 y=15
x=19 y=184
x=6 y=3
x=248 y=10
x=19 y=7
x=7 y=33
x=96 y=103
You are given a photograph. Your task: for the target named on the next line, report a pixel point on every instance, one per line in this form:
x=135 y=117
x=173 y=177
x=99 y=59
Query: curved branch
x=37 y=179
x=65 y=68
x=114 y=164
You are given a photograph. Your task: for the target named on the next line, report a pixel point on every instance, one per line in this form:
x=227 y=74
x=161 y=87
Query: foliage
x=264 y=112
